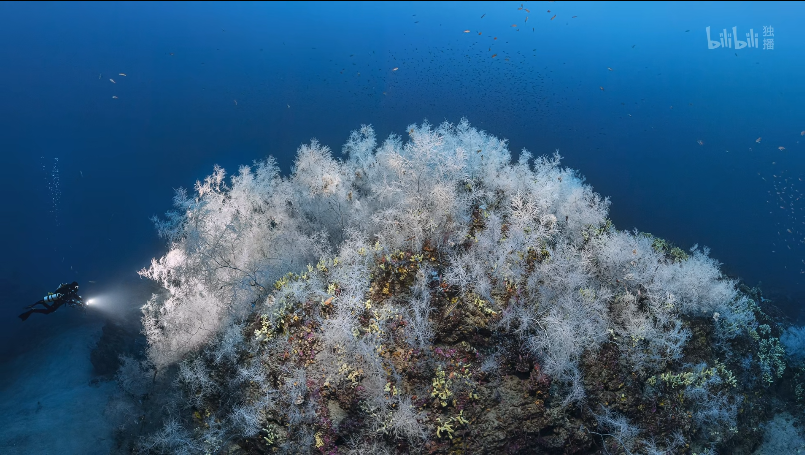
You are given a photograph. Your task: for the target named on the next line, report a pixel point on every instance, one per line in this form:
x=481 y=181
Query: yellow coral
x=265 y=332
x=446 y=426
x=441 y=387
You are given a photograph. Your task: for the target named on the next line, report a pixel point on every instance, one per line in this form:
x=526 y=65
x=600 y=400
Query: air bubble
x=53 y=184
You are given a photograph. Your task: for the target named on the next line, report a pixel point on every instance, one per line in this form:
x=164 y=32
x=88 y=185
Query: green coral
x=667 y=248
x=592 y=231
x=694 y=378
x=771 y=357
x=271 y=435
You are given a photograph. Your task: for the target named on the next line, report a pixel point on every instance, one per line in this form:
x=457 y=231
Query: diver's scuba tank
x=52 y=297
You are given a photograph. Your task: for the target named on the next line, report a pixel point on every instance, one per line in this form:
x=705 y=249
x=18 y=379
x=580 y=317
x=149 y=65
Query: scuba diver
x=65 y=294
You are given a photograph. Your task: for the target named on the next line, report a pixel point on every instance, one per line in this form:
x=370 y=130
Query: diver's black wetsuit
x=65 y=294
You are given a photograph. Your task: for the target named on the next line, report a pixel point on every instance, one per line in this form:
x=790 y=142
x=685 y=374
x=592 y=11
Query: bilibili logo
x=729 y=40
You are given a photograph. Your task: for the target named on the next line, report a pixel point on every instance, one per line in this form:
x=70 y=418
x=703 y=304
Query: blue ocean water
x=107 y=107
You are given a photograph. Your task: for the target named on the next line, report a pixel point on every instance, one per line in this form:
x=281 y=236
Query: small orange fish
x=781 y=148
x=495 y=38
x=758 y=140
x=554 y=17
x=395 y=68
x=802 y=133
x=527 y=10
x=700 y=142
x=479 y=33
x=526 y=18
x=514 y=25
x=494 y=55
x=466 y=31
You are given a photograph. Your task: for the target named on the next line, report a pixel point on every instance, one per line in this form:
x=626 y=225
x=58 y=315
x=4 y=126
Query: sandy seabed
x=48 y=401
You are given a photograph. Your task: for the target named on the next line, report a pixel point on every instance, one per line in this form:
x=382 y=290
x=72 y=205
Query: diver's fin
x=25 y=315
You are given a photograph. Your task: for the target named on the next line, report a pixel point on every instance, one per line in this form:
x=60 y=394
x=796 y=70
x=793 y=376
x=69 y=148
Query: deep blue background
x=187 y=63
